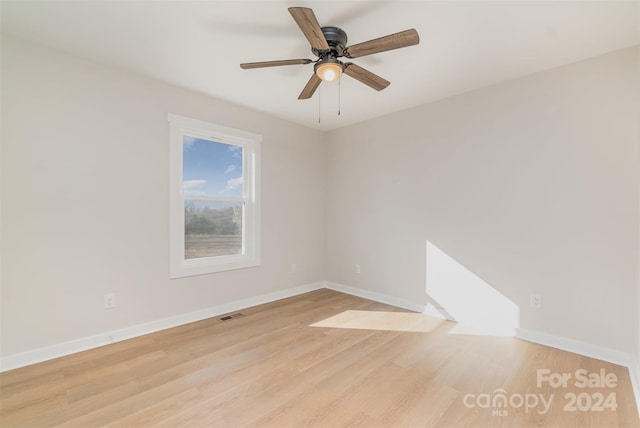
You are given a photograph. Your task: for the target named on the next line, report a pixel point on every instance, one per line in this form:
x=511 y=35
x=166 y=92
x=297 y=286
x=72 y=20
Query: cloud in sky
x=187 y=142
x=193 y=186
x=230 y=169
x=234 y=183
x=236 y=151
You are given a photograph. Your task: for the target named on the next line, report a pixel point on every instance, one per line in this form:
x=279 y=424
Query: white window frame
x=180 y=126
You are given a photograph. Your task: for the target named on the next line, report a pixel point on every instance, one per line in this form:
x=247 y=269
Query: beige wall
x=532 y=185
x=85 y=197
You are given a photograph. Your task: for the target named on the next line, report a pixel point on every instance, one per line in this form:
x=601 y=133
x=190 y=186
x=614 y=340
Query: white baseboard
x=59 y=350
x=577 y=347
x=78 y=345
x=376 y=297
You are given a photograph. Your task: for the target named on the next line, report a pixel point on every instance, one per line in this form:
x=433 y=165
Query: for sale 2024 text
x=594 y=401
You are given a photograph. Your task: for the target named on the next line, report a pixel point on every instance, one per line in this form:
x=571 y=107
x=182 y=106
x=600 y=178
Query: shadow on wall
x=456 y=293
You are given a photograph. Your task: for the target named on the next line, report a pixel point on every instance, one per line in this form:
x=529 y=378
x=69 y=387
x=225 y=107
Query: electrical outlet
x=358 y=270
x=535 y=301
x=294 y=268
x=109 y=301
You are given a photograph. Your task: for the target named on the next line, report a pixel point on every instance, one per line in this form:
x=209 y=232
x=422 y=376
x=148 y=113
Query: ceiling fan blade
x=386 y=43
x=306 y=20
x=310 y=87
x=365 y=76
x=248 y=65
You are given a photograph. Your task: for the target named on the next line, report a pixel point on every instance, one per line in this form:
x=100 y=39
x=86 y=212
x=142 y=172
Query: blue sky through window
x=211 y=168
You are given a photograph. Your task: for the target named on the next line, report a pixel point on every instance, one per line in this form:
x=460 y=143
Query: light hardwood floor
x=319 y=359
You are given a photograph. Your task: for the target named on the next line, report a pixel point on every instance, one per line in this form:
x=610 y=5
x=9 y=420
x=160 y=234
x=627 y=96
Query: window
x=215 y=210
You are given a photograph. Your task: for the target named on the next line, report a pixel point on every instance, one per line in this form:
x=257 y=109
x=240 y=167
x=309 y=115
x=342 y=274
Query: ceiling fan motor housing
x=337 y=41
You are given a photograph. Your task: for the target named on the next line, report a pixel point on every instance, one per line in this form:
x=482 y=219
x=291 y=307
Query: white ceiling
x=199 y=45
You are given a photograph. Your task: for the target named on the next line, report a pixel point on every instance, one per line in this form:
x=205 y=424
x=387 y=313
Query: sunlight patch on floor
x=481 y=330
x=381 y=320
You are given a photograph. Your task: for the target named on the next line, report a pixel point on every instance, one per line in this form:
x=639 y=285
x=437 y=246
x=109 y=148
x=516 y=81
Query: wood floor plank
x=319 y=359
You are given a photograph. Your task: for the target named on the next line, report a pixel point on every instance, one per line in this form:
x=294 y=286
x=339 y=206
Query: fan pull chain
x=319 y=104
x=339 y=99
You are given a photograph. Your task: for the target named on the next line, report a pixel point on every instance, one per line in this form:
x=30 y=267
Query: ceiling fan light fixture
x=328 y=70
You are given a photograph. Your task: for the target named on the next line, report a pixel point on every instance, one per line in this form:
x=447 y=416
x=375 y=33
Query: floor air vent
x=231 y=317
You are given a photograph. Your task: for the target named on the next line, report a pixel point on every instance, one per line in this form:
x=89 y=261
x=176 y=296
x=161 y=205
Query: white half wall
x=530 y=185
x=85 y=201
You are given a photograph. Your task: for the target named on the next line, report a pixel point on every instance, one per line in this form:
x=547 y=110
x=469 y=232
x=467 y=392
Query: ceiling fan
x=329 y=44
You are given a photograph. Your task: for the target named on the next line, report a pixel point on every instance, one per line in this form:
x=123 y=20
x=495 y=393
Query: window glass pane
x=211 y=168
x=212 y=228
